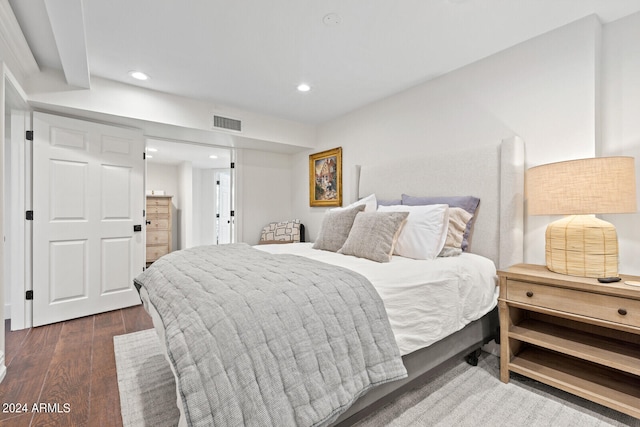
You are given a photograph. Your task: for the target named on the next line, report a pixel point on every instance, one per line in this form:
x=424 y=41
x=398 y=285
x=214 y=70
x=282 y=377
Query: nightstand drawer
x=603 y=307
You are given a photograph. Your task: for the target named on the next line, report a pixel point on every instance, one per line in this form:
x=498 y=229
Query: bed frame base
x=425 y=364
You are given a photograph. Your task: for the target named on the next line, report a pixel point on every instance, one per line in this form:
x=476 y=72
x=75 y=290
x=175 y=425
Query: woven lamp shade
x=582 y=245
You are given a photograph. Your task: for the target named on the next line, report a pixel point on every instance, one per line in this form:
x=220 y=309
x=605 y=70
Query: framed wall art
x=325 y=178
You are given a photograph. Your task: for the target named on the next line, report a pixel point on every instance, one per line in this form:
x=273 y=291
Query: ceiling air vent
x=227 y=123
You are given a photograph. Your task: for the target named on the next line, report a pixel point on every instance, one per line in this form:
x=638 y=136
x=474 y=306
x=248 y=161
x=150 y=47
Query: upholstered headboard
x=494 y=174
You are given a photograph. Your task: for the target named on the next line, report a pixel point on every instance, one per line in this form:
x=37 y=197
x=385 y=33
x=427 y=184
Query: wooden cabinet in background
x=158 y=227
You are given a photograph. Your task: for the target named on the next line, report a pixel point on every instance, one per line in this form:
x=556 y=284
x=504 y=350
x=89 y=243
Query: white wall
x=543 y=90
x=621 y=121
x=264 y=191
x=185 y=212
x=204 y=207
x=165 y=177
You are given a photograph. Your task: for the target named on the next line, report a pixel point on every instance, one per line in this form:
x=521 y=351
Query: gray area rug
x=462 y=396
x=146 y=383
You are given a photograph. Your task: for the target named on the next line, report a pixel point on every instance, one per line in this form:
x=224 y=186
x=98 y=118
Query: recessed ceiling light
x=153 y=150
x=138 y=75
x=303 y=87
x=213 y=156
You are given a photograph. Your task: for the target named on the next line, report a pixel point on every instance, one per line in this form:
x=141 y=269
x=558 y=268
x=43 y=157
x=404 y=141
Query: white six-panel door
x=88 y=194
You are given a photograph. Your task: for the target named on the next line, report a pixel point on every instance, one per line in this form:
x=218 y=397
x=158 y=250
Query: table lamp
x=581 y=244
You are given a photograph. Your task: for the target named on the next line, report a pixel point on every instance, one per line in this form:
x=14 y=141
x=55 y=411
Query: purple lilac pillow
x=390 y=202
x=468 y=203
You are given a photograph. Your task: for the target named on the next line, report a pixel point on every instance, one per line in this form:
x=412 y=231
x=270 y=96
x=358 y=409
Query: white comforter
x=425 y=300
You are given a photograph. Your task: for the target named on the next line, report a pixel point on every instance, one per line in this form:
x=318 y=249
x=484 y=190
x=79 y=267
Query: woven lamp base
x=582 y=245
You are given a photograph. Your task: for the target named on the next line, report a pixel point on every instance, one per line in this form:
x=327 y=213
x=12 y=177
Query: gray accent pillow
x=335 y=228
x=468 y=203
x=373 y=235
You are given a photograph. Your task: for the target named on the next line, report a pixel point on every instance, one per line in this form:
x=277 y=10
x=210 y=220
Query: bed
x=495 y=175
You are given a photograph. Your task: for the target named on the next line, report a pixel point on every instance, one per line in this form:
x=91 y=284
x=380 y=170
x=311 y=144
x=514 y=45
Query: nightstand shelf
x=591 y=381
x=572 y=333
x=616 y=354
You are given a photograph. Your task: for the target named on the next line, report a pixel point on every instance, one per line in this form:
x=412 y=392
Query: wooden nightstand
x=572 y=333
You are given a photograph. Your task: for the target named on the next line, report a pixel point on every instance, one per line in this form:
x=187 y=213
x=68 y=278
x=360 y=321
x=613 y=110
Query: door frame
x=16 y=201
x=19 y=237
x=11 y=96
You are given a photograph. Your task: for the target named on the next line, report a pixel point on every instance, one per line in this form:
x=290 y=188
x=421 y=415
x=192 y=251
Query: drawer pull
x=529 y=294
x=622 y=312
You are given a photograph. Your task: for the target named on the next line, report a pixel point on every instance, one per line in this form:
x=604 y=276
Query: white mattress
x=425 y=300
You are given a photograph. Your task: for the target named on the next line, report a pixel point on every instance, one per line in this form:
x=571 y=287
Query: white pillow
x=425 y=232
x=369 y=202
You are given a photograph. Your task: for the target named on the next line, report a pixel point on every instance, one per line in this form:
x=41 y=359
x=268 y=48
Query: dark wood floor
x=70 y=364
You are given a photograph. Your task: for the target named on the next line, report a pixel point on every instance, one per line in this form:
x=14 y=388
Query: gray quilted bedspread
x=269 y=340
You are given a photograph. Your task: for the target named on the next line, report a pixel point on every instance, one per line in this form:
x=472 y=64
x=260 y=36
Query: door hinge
x=144 y=156
x=144 y=213
x=29 y=215
x=29 y=295
x=29 y=135
x=233 y=213
x=233 y=165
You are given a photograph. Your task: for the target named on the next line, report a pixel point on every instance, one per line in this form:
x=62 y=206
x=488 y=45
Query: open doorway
x=197 y=180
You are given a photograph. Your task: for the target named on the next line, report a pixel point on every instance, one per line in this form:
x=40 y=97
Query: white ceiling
x=168 y=152
x=251 y=54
